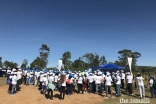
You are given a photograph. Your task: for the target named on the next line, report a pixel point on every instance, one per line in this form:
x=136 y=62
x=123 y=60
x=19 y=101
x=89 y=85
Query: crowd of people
x=69 y=83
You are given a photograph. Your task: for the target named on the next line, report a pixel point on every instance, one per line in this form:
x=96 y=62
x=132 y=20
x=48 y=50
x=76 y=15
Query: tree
x=10 y=64
x=103 y=60
x=79 y=64
x=1 y=65
x=124 y=54
x=38 y=63
x=44 y=53
x=25 y=63
x=91 y=59
x=66 y=59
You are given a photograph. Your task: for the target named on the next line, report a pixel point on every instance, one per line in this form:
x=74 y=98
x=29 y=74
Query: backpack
x=154 y=84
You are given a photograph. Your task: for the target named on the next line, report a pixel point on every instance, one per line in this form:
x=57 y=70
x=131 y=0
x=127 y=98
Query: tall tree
x=25 y=63
x=38 y=63
x=124 y=54
x=1 y=65
x=91 y=59
x=103 y=60
x=44 y=53
x=66 y=59
x=10 y=64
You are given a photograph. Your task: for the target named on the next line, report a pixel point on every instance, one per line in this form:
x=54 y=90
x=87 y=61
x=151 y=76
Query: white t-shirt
x=140 y=81
x=41 y=78
x=28 y=74
x=151 y=81
x=90 y=78
x=8 y=71
x=122 y=76
x=129 y=79
x=25 y=72
x=19 y=75
x=50 y=79
x=55 y=78
x=80 y=80
x=108 y=80
x=118 y=80
x=97 y=79
x=14 y=79
x=45 y=81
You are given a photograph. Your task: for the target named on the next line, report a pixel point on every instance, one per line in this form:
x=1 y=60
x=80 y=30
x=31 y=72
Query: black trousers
x=10 y=87
x=50 y=93
x=62 y=92
x=40 y=86
x=80 y=88
x=25 y=80
x=122 y=83
x=17 y=85
x=129 y=88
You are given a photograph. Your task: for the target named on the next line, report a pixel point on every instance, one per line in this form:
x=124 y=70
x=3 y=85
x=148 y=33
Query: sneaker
x=12 y=94
x=132 y=94
x=106 y=97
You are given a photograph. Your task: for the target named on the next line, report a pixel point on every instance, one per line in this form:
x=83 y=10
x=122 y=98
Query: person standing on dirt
x=91 y=79
x=19 y=76
x=108 y=81
x=140 y=82
x=14 y=82
x=129 y=81
x=80 y=83
x=122 y=75
x=8 y=74
x=152 y=84
x=50 y=86
x=63 y=86
x=118 y=82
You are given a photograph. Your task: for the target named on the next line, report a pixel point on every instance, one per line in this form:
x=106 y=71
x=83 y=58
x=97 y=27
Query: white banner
x=59 y=64
x=130 y=63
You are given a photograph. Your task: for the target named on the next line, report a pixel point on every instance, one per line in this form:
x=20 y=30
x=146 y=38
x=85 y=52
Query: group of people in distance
x=77 y=82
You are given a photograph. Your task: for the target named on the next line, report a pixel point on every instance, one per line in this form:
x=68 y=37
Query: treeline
x=81 y=63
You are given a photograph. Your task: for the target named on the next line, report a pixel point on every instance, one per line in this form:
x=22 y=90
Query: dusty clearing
x=31 y=95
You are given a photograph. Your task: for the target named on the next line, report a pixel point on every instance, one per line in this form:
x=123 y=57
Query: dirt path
x=31 y=95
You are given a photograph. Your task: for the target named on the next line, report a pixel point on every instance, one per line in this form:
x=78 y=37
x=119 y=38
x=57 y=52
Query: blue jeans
x=69 y=89
x=30 y=79
x=13 y=88
x=44 y=89
x=153 y=92
x=118 y=90
x=101 y=87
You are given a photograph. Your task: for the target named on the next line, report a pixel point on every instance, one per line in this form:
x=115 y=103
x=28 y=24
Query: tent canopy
x=111 y=66
x=107 y=67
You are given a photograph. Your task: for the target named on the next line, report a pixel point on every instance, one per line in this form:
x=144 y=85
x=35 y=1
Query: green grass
x=2 y=81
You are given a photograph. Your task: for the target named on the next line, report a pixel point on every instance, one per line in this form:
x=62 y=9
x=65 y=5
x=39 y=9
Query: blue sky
x=78 y=26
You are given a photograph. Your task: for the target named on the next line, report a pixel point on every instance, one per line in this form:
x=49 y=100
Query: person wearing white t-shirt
x=91 y=79
x=108 y=81
x=151 y=82
x=50 y=86
x=14 y=82
x=55 y=80
x=129 y=80
x=19 y=76
x=97 y=82
x=118 y=82
x=63 y=86
x=10 y=84
x=8 y=74
x=140 y=82
x=35 y=78
x=122 y=79
x=44 y=83
x=27 y=78
x=79 y=83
